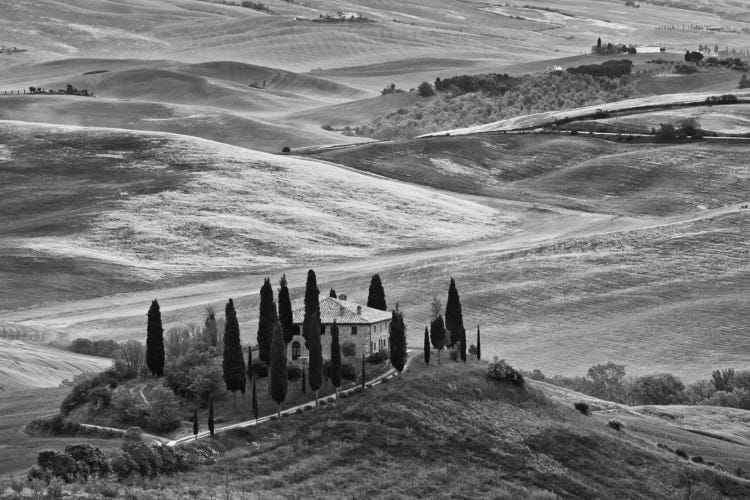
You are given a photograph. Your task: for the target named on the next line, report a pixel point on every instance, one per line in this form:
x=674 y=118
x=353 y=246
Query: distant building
x=363 y=326
x=650 y=50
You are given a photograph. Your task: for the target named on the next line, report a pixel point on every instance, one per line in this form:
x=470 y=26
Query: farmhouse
x=362 y=326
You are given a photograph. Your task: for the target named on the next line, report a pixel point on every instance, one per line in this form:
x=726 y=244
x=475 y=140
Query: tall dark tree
x=479 y=346
x=211 y=414
x=376 y=294
x=454 y=320
x=397 y=339
x=304 y=380
x=332 y=294
x=316 y=356
x=462 y=345
x=598 y=43
x=277 y=370
x=437 y=327
x=195 y=423
x=210 y=332
x=249 y=367
x=364 y=374
x=255 y=402
x=286 y=317
x=266 y=321
x=233 y=364
x=155 y=341
x=427 y=350
x=335 y=358
x=312 y=304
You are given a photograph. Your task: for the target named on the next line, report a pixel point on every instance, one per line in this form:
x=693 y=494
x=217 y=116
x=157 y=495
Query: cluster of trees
x=101 y=348
x=611 y=48
x=492 y=84
x=449 y=332
x=390 y=89
x=694 y=57
x=728 y=387
x=607 y=69
x=530 y=94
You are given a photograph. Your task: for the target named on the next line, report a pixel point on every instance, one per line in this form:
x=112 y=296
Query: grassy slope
x=446 y=432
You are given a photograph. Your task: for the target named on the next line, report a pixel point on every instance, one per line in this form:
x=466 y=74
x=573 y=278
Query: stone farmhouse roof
x=344 y=312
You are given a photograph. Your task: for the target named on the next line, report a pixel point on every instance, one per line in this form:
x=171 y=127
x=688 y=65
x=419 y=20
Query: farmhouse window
x=354 y=330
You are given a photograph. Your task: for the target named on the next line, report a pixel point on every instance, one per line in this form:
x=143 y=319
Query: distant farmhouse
x=362 y=326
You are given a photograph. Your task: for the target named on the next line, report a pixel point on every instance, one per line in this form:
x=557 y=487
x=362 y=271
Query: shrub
x=286 y=149
x=293 y=372
x=453 y=354
x=697 y=459
x=149 y=461
x=348 y=371
x=537 y=375
x=100 y=396
x=378 y=357
x=583 y=408
x=122 y=464
x=681 y=453
x=79 y=393
x=39 y=474
x=425 y=89
x=205 y=380
x=163 y=411
x=58 y=464
x=616 y=424
x=89 y=460
x=349 y=349
x=503 y=372
x=260 y=368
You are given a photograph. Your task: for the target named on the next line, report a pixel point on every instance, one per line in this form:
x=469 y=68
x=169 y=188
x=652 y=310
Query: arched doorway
x=295 y=350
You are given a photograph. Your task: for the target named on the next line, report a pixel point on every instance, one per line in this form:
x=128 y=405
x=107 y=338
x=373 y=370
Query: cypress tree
x=249 y=367
x=332 y=294
x=376 y=294
x=462 y=341
x=285 y=311
x=363 y=371
x=155 y=341
x=437 y=327
x=211 y=414
x=316 y=356
x=479 y=346
x=454 y=320
x=426 y=347
x=397 y=339
x=278 y=379
x=255 y=402
x=335 y=358
x=210 y=334
x=266 y=320
x=233 y=365
x=195 y=423
x=312 y=304
x=304 y=381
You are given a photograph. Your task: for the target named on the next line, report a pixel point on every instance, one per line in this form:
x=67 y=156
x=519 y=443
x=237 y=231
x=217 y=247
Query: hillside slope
x=447 y=432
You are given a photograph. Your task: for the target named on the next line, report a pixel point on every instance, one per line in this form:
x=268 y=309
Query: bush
x=659 y=389
x=286 y=149
x=260 y=368
x=79 y=393
x=59 y=464
x=102 y=348
x=178 y=376
x=349 y=349
x=453 y=354
x=583 y=408
x=503 y=372
x=348 y=372
x=100 y=396
x=537 y=375
x=149 y=461
x=685 y=69
x=615 y=424
x=425 y=89
x=89 y=459
x=293 y=372
x=122 y=464
x=378 y=357
x=697 y=459
x=681 y=453
x=163 y=411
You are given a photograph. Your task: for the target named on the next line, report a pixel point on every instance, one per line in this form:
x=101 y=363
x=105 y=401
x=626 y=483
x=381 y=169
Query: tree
x=425 y=89
x=211 y=333
x=233 y=365
x=479 y=346
x=454 y=321
x=195 y=423
x=285 y=311
x=462 y=342
x=437 y=327
x=131 y=356
x=278 y=383
x=364 y=374
x=332 y=294
x=659 y=389
x=335 y=358
x=316 y=355
x=255 y=402
x=155 y=341
x=376 y=294
x=312 y=304
x=426 y=347
x=304 y=381
x=397 y=339
x=607 y=381
x=266 y=320
x=599 y=43
x=211 y=415
x=249 y=368
x=744 y=83
x=722 y=379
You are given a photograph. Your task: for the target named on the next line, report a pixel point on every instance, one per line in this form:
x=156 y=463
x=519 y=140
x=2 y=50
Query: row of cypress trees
x=448 y=332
